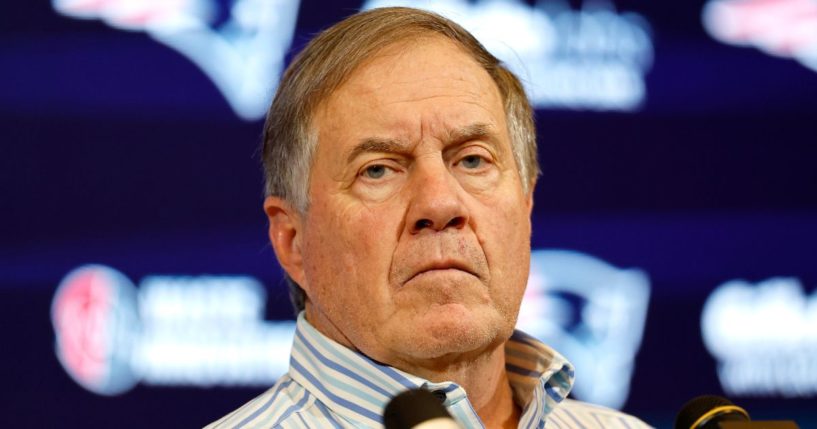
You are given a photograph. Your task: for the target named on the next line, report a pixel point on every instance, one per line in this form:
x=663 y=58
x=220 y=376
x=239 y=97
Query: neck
x=485 y=381
x=481 y=373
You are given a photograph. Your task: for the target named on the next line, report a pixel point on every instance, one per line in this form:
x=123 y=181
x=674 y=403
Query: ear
x=529 y=198
x=285 y=234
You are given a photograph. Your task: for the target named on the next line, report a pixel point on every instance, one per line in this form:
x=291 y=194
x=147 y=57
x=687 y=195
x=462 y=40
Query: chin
x=448 y=331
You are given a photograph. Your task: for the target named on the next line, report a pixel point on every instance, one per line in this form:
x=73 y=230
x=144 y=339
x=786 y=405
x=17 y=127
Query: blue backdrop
x=120 y=147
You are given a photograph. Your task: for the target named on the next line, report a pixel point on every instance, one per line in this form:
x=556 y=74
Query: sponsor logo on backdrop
x=591 y=312
x=593 y=58
x=95 y=319
x=171 y=330
x=764 y=337
x=210 y=330
x=783 y=28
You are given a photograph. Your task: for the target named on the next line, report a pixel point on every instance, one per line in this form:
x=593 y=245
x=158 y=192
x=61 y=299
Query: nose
x=436 y=202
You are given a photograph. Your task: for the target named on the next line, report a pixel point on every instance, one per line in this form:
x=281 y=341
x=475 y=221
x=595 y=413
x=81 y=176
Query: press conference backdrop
x=675 y=221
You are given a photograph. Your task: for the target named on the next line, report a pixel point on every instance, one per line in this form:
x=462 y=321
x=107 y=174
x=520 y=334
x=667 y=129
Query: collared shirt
x=331 y=386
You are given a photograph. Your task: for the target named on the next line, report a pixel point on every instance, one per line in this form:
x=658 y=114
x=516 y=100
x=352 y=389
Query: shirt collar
x=357 y=388
x=540 y=377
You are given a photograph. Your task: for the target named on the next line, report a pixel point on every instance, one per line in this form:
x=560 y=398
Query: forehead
x=415 y=89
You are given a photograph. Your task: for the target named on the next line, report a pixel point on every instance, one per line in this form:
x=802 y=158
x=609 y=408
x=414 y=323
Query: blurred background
x=675 y=222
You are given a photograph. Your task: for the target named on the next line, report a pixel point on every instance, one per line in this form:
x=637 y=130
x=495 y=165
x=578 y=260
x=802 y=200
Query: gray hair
x=327 y=62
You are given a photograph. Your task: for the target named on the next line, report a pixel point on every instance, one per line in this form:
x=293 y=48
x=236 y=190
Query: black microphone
x=715 y=412
x=417 y=409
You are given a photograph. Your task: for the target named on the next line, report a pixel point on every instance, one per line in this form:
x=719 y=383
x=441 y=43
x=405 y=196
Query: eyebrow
x=476 y=131
x=376 y=144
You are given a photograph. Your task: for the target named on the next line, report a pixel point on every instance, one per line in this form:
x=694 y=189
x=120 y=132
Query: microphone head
x=412 y=408
x=705 y=411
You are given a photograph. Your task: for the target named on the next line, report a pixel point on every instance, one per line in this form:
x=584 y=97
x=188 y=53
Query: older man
x=401 y=161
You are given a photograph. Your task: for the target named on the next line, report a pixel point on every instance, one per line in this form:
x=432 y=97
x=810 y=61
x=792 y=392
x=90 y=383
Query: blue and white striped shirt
x=331 y=386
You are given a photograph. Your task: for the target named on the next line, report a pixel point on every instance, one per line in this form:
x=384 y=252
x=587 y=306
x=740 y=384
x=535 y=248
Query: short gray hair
x=327 y=62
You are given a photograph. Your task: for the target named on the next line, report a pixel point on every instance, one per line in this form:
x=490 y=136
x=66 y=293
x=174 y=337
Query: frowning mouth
x=453 y=267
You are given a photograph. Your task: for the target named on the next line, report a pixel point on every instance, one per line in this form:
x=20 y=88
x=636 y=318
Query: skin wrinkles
x=468 y=246
x=397 y=158
x=477 y=131
x=465 y=98
x=423 y=268
x=394 y=166
x=396 y=53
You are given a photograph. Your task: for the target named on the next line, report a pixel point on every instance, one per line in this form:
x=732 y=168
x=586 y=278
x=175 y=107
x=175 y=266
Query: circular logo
x=96 y=323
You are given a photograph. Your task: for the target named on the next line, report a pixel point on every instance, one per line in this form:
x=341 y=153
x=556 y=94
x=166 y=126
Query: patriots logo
x=783 y=28
x=593 y=313
x=243 y=54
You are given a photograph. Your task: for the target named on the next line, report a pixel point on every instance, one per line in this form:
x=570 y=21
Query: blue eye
x=375 y=171
x=472 y=161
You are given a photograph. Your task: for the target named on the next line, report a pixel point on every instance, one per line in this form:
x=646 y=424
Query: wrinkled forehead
x=417 y=87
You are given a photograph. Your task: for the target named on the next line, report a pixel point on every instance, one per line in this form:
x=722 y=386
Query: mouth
x=442 y=267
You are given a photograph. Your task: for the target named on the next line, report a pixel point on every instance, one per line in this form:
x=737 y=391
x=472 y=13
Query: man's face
x=416 y=244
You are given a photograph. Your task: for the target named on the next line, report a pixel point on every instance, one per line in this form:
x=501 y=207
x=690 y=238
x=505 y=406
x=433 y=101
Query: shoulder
x=571 y=413
x=278 y=407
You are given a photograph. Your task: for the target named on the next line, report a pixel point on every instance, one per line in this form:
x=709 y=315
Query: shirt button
x=440 y=395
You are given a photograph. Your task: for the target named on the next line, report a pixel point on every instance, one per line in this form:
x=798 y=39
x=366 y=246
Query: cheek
x=506 y=215
x=351 y=248
x=512 y=235
x=367 y=232
x=512 y=262
x=479 y=184
x=505 y=237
